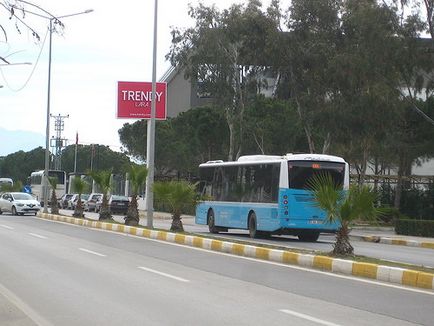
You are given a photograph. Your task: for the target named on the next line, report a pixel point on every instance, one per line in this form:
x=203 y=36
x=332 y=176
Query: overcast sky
x=113 y=43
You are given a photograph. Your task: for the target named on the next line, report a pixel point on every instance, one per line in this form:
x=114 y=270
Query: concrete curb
x=395 y=241
x=334 y=265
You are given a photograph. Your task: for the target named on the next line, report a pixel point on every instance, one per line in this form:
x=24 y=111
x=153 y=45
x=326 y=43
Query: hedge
x=423 y=228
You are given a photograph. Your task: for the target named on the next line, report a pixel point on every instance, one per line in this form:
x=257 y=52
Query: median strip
x=398 y=242
x=348 y=267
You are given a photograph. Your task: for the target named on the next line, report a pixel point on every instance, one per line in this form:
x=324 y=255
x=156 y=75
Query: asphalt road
x=409 y=255
x=60 y=274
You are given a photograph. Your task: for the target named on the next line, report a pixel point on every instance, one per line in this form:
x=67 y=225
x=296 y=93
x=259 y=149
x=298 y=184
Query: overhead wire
x=31 y=73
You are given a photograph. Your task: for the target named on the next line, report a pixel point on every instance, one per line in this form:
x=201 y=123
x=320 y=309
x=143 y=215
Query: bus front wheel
x=253 y=232
x=211 y=223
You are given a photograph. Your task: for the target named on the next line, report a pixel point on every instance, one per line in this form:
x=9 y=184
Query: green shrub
x=423 y=228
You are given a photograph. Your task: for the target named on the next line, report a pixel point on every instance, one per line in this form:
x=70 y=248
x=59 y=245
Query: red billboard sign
x=135 y=98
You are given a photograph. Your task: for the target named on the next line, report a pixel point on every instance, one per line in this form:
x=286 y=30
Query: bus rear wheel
x=211 y=223
x=253 y=232
x=308 y=236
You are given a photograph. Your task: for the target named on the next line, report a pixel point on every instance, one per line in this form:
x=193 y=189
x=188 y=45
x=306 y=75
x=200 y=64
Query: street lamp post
x=150 y=149
x=47 y=128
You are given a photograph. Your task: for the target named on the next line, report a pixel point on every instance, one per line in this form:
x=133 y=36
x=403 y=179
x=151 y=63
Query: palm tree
x=137 y=176
x=179 y=196
x=53 y=200
x=103 y=180
x=344 y=207
x=79 y=186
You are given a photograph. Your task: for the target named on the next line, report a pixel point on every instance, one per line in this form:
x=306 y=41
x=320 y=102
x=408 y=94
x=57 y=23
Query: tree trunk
x=104 y=213
x=327 y=143
x=176 y=223
x=53 y=203
x=231 y=125
x=399 y=182
x=302 y=120
x=241 y=107
x=78 y=212
x=132 y=217
x=342 y=246
x=364 y=165
x=305 y=128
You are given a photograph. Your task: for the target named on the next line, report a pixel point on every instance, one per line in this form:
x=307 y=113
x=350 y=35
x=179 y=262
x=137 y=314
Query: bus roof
x=249 y=159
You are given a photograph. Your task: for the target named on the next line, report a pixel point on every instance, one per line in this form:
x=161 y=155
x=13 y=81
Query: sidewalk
x=387 y=235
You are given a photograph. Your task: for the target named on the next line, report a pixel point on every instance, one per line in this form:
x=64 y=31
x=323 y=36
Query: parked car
x=71 y=200
x=118 y=204
x=84 y=198
x=63 y=201
x=18 y=203
x=91 y=202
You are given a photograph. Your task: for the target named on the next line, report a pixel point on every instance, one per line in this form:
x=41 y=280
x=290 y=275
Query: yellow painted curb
x=323 y=262
x=365 y=270
x=429 y=245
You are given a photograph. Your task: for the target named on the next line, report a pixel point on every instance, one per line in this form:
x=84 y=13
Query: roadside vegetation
x=54 y=206
x=344 y=207
x=137 y=177
x=104 y=181
x=79 y=186
x=179 y=197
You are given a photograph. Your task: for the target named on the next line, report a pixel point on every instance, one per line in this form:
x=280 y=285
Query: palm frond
x=327 y=194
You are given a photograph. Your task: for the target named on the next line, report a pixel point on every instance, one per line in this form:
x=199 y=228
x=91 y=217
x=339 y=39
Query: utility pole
x=58 y=142
x=150 y=149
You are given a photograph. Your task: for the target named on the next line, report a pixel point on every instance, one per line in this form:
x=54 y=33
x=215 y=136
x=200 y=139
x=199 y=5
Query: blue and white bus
x=37 y=184
x=267 y=194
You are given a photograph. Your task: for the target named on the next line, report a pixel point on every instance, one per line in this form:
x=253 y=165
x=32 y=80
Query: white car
x=18 y=203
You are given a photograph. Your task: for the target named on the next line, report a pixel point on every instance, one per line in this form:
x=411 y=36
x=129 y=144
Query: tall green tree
x=181 y=143
x=137 y=177
x=19 y=165
x=223 y=53
x=306 y=65
x=97 y=157
x=273 y=127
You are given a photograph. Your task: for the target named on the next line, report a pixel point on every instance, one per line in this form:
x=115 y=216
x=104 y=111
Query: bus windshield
x=300 y=172
x=59 y=175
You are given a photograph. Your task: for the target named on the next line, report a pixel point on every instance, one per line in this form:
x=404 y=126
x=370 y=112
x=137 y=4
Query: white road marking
x=6 y=227
x=38 y=236
x=348 y=277
x=92 y=252
x=27 y=310
x=164 y=274
x=315 y=271
x=307 y=317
